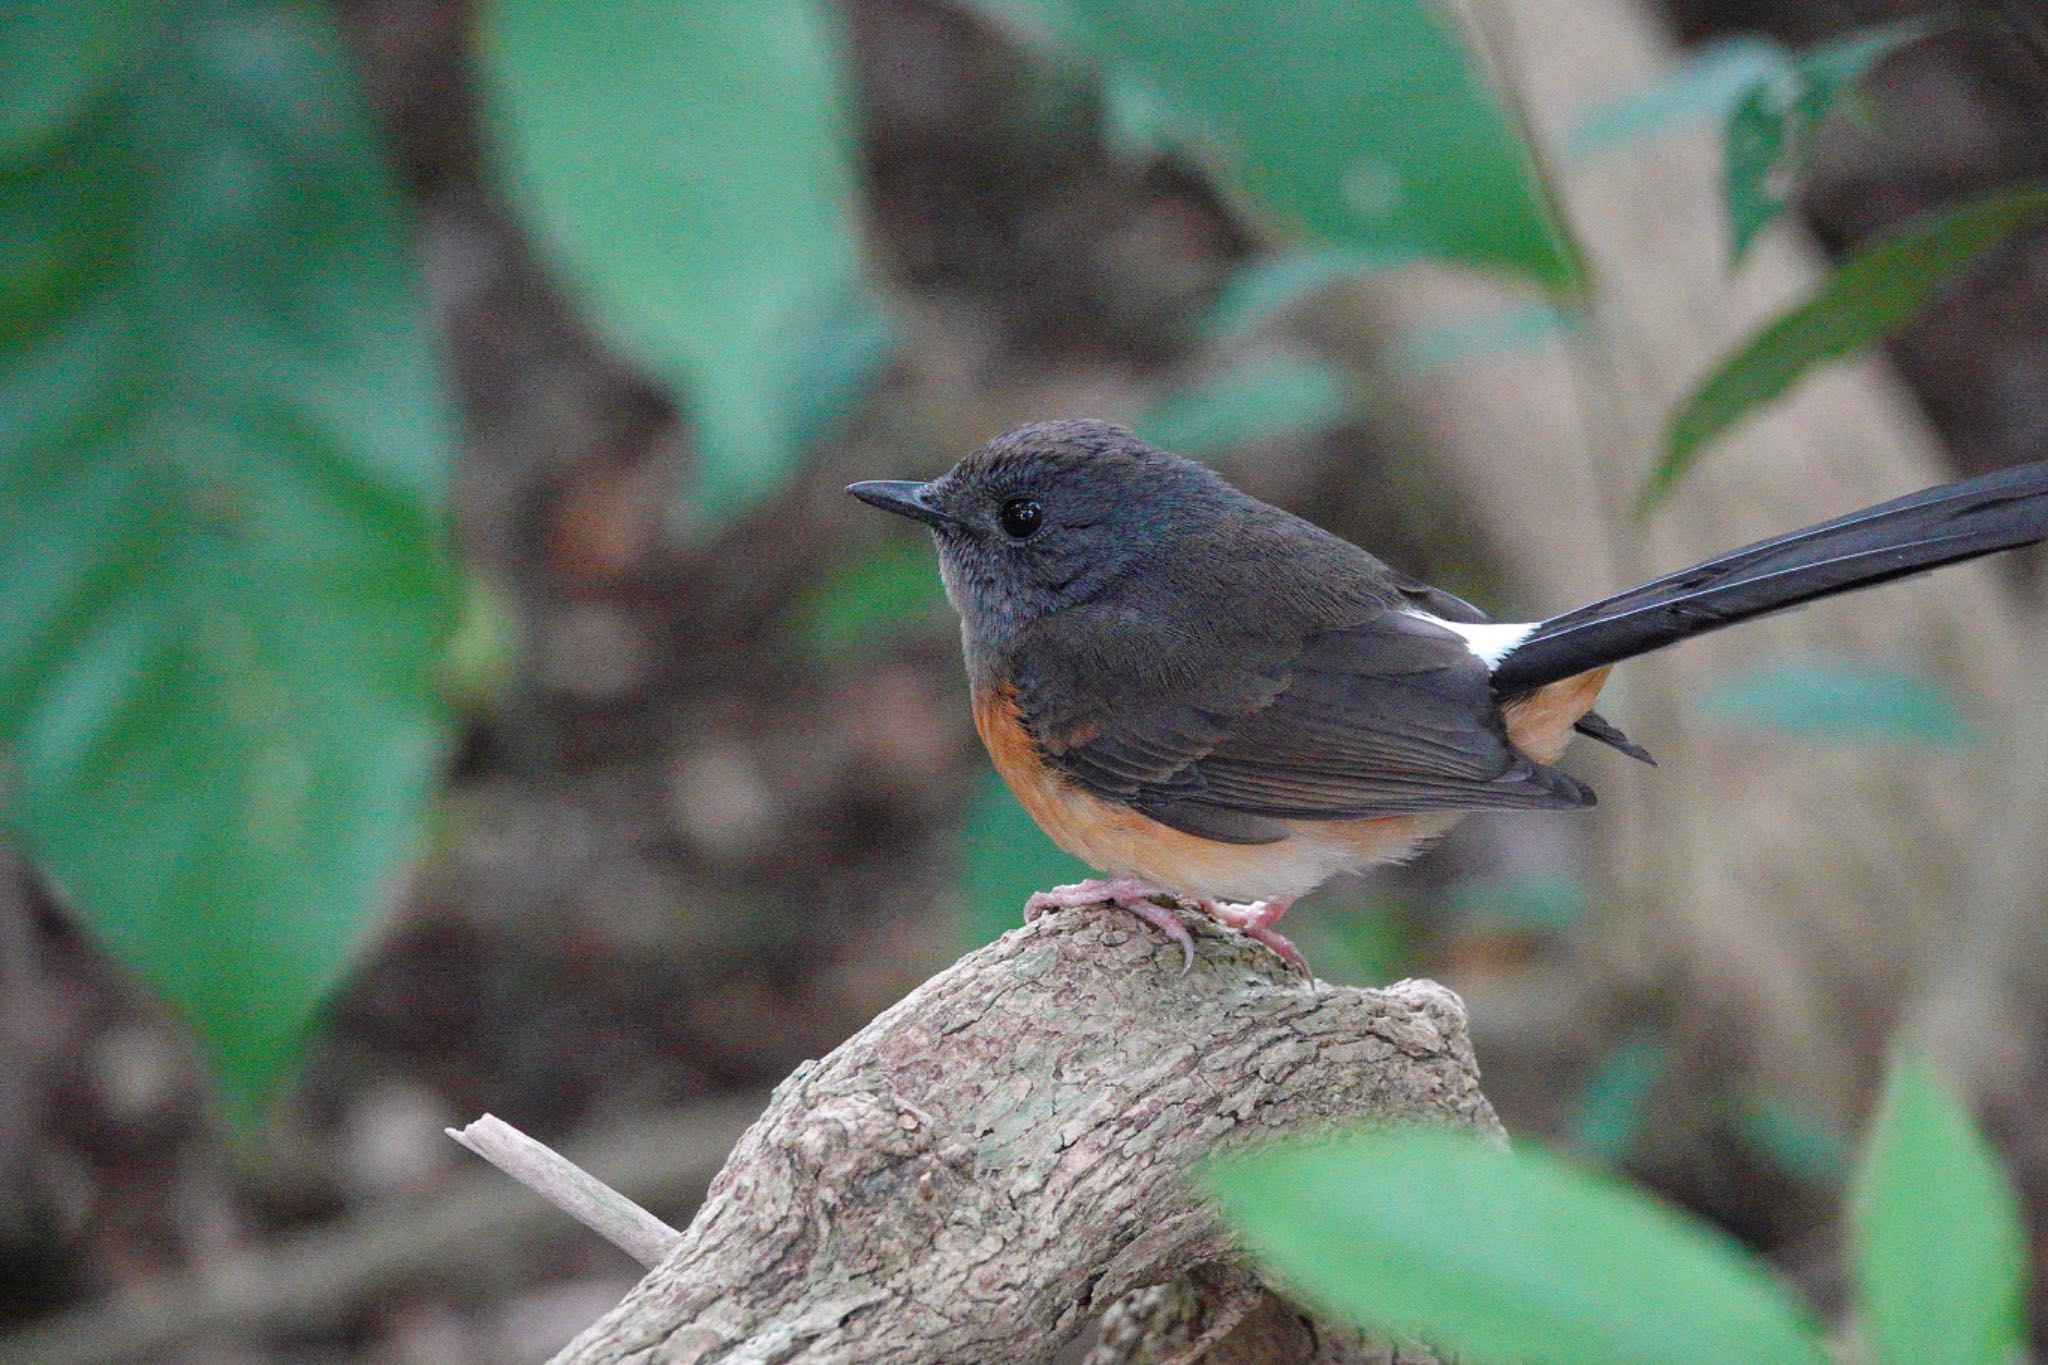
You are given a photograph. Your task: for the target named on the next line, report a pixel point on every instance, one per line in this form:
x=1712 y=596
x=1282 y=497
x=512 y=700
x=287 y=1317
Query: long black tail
x=1908 y=535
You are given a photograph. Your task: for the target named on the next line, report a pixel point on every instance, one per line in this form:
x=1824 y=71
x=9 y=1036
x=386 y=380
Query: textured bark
x=1194 y=1318
x=994 y=1161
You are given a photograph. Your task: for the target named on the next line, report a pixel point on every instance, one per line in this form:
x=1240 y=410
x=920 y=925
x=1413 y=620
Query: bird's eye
x=1021 y=516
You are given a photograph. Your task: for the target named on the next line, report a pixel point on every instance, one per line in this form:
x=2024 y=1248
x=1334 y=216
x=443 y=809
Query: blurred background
x=441 y=673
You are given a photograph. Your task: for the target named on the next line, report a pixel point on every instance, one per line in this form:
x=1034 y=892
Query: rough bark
x=1003 y=1155
x=1193 y=1318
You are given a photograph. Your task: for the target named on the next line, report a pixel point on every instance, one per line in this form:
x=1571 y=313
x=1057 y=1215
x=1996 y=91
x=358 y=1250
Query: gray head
x=1052 y=515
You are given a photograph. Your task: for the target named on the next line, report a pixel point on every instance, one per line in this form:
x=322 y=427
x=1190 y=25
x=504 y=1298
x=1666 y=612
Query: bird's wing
x=1449 y=607
x=1391 y=715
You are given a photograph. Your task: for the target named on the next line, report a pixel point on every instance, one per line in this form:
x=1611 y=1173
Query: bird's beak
x=904 y=497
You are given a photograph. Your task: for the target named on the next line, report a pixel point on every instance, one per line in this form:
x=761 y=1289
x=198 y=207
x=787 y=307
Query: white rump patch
x=1490 y=640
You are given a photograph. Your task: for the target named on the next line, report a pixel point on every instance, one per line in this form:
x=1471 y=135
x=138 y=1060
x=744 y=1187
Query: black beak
x=904 y=497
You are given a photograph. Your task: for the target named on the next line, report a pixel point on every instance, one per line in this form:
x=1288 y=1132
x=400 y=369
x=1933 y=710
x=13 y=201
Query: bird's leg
x=1255 y=921
x=1126 y=893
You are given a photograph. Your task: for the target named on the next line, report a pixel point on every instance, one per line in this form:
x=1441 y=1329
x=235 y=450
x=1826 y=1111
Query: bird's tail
x=1908 y=535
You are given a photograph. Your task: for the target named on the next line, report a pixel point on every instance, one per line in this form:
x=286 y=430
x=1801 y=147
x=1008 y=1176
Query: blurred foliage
x=482 y=660
x=1840 y=701
x=1361 y=125
x=1793 y=1139
x=56 y=60
x=1354 y=940
x=1771 y=102
x=1704 y=87
x=1608 y=1120
x=222 y=488
x=1875 y=292
x=1505 y=1256
x=1005 y=858
x=1517 y=1255
x=227 y=435
x=1266 y=395
x=1937 y=1249
x=1776 y=122
x=1482 y=336
x=691 y=170
x=868 y=598
x=1269 y=285
x=1537 y=902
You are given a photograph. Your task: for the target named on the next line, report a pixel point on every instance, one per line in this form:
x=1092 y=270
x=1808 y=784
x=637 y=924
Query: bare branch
x=570 y=1188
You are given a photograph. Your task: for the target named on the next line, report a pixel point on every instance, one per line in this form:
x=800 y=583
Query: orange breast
x=1111 y=837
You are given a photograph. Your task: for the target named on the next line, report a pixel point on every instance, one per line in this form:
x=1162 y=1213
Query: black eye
x=1021 y=516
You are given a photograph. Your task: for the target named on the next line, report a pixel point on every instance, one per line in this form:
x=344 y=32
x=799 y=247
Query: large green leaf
x=57 y=58
x=220 y=486
x=1876 y=292
x=1363 y=124
x=1505 y=1256
x=1937 y=1246
x=1775 y=123
x=690 y=167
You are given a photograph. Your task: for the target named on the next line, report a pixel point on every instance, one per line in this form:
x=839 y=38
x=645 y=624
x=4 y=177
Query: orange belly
x=1112 y=838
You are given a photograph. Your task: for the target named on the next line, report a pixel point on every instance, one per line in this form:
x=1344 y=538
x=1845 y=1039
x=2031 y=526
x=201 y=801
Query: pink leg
x=1126 y=893
x=1255 y=921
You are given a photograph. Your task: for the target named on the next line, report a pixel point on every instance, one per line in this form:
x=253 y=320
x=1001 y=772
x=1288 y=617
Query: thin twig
x=570 y=1188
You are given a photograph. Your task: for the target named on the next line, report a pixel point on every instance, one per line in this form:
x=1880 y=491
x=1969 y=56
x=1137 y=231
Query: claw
x=1255 y=921
x=1125 y=893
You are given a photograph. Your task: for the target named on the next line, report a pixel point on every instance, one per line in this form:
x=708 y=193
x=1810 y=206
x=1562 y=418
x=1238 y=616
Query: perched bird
x=1208 y=698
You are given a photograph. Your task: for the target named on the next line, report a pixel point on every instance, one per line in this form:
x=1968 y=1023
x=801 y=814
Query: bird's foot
x=1126 y=893
x=1255 y=921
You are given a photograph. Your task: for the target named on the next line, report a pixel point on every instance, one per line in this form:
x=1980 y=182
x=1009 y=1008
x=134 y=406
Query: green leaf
x=1827 y=70
x=1840 y=701
x=1937 y=1247
x=220 y=524
x=1703 y=88
x=1774 y=126
x=691 y=170
x=1264 y=397
x=1505 y=1256
x=1876 y=292
x=56 y=58
x=1362 y=125
x=1004 y=857
x=1753 y=176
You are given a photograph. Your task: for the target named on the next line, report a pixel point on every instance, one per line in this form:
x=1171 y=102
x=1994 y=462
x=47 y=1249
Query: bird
x=1210 y=700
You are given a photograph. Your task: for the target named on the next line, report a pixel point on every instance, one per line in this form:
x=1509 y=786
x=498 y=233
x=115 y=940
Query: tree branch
x=999 y=1158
